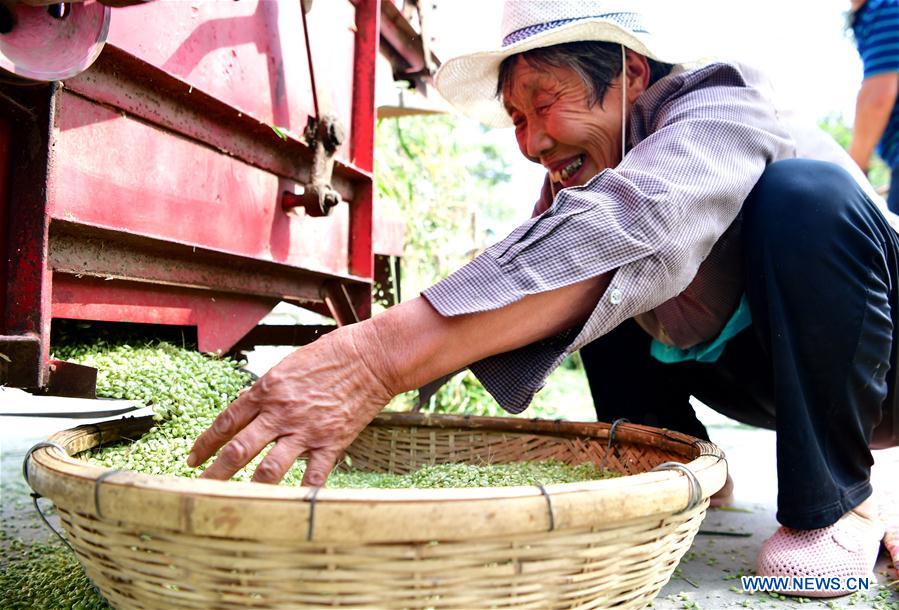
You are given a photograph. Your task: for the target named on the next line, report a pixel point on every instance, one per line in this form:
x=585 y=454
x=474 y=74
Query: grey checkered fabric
x=699 y=141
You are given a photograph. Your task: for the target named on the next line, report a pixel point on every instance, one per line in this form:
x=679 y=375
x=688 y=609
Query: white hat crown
x=525 y=18
x=469 y=82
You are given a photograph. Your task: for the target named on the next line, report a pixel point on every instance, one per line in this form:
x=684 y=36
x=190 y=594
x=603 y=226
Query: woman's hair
x=597 y=63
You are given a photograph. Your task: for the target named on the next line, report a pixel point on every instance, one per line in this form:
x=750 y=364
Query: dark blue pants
x=819 y=267
x=893 y=197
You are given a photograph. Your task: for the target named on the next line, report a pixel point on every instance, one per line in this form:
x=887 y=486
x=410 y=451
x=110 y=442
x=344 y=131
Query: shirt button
x=615 y=296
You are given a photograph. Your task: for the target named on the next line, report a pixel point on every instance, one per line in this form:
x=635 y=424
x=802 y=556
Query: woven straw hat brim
x=468 y=82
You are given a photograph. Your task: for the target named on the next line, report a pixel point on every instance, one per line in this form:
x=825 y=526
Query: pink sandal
x=847 y=549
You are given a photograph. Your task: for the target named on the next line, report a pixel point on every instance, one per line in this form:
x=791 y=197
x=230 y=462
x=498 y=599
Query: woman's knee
x=798 y=201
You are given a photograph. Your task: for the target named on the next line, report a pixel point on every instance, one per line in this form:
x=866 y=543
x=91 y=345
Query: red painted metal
x=362 y=140
x=130 y=84
x=5 y=144
x=339 y=303
x=221 y=318
x=402 y=44
x=148 y=189
x=186 y=193
x=250 y=55
x=88 y=251
x=28 y=305
x=70 y=379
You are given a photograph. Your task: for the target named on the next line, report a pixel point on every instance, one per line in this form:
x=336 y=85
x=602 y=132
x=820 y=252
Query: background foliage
x=841 y=131
x=444 y=174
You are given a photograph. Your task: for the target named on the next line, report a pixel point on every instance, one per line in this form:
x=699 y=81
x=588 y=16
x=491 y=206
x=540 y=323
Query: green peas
x=187 y=390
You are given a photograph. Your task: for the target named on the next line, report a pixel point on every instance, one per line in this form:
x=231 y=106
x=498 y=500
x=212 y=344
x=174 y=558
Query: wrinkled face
x=556 y=125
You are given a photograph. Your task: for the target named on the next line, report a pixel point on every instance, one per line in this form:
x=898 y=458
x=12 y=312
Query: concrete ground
x=707 y=577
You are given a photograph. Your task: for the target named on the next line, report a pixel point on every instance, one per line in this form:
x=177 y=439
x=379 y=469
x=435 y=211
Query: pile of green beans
x=44 y=576
x=544 y=472
x=187 y=390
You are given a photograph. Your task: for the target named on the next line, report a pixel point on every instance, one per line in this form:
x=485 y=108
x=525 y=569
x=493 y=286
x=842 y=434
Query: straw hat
x=469 y=82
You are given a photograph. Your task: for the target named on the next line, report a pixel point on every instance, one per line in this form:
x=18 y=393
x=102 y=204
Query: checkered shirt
x=699 y=140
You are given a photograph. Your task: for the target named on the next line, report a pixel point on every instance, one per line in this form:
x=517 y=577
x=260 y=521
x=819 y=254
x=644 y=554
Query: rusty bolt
x=336 y=134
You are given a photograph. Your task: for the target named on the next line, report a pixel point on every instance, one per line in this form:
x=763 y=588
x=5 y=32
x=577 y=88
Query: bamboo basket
x=162 y=542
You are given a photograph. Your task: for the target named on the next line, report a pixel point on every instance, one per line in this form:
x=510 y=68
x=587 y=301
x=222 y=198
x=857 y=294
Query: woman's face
x=556 y=126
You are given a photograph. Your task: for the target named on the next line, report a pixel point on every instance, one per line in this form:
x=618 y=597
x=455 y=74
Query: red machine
x=213 y=161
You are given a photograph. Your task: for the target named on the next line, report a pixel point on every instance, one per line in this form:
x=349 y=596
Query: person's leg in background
x=627 y=382
x=817 y=255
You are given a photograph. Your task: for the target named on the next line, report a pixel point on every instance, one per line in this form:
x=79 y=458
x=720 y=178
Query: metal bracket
x=324 y=136
x=21 y=363
x=36 y=496
x=429 y=67
x=337 y=299
x=70 y=379
x=605 y=456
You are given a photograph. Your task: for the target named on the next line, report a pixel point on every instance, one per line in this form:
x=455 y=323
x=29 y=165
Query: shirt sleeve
x=704 y=138
x=879 y=49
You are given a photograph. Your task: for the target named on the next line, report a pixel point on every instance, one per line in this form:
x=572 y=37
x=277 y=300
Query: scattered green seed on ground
x=46 y=577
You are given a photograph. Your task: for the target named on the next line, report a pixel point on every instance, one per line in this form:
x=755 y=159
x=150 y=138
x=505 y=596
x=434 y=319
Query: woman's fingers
x=278 y=460
x=240 y=450
x=314 y=401
x=228 y=423
x=319 y=466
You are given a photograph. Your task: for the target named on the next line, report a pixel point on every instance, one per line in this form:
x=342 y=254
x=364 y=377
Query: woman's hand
x=319 y=398
x=313 y=404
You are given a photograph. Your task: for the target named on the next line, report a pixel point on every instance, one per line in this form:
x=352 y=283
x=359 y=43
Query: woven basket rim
x=259 y=511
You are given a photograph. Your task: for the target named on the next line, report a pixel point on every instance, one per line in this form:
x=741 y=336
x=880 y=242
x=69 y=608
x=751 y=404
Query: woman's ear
x=637 y=75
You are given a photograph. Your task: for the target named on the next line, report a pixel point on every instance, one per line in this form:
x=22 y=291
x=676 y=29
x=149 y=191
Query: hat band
x=629 y=21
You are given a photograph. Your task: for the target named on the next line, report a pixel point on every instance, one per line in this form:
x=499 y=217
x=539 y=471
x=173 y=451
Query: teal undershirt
x=709 y=351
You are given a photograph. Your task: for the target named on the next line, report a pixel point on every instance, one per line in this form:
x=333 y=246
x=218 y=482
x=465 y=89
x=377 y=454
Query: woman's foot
x=889 y=514
x=868 y=509
x=847 y=549
x=891 y=542
x=724 y=496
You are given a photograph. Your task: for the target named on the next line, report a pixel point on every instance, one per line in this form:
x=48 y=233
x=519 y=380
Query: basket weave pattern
x=601 y=544
x=404 y=450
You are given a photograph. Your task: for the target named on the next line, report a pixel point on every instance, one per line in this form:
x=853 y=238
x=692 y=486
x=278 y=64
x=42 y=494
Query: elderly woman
x=678 y=240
